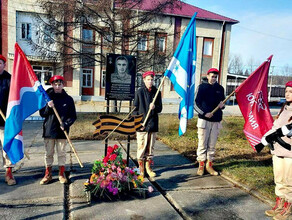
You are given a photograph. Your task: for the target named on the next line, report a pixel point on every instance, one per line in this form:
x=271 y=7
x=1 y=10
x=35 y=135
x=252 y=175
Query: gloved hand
x=268 y=141
x=64 y=126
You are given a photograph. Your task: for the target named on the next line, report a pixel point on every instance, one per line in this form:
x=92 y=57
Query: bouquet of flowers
x=111 y=176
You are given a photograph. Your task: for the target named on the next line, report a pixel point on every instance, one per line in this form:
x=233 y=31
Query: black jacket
x=65 y=106
x=5 y=78
x=142 y=100
x=207 y=99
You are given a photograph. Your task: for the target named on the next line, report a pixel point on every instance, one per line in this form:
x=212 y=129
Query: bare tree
x=105 y=27
x=287 y=70
x=235 y=65
x=251 y=65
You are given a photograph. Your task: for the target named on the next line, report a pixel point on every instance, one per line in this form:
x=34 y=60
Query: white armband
x=264 y=142
x=285 y=130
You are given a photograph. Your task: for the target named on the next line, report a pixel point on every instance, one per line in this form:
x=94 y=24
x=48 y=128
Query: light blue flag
x=181 y=72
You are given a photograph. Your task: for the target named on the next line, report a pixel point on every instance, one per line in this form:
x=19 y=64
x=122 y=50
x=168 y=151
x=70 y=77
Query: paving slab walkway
x=179 y=193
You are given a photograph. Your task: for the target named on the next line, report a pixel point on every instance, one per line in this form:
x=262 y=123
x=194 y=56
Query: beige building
x=25 y=22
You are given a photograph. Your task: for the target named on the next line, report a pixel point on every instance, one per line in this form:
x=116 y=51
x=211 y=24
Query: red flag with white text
x=252 y=99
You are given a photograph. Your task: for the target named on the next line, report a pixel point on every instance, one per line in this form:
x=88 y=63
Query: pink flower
x=115 y=191
x=150 y=189
x=109 y=187
x=124 y=178
x=108 y=178
x=113 y=167
x=114 y=175
x=103 y=184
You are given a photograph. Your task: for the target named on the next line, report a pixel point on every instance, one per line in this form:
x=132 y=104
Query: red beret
x=56 y=77
x=2 y=58
x=213 y=70
x=148 y=73
x=289 y=84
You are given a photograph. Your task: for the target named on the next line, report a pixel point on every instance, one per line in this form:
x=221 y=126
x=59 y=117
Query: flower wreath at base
x=111 y=177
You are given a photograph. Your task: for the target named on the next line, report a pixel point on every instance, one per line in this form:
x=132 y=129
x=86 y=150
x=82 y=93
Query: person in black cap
x=53 y=132
x=208 y=96
x=5 y=78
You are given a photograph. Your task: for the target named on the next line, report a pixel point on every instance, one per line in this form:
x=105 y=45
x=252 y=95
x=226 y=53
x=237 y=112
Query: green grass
x=234 y=156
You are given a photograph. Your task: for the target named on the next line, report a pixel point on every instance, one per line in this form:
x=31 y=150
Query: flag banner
x=26 y=96
x=181 y=72
x=107 y=123
x=252 y=98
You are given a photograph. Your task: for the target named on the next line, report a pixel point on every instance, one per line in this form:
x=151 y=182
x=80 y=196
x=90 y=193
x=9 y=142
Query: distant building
x=276 y=92
x=19 y=23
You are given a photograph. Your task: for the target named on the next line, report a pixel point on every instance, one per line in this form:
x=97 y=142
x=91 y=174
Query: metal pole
x=106 y=141
x=271 y=82
x=235 y=88
x=129 y=143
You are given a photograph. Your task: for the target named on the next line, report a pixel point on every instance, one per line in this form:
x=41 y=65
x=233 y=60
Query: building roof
x=183 y=9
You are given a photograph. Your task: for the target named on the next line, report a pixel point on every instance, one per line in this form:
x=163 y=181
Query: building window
x=139 y=80
x=107 y=39
x=142 y=42
x=160 y=42
x=44 y=73
x=103 y=78
x=208 y=47
x=157 y=79
x=48 y=35
x=87 y=78
x=87 y=35
x=26 y=31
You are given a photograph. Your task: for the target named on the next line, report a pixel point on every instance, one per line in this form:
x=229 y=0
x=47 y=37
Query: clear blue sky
x=265 y=28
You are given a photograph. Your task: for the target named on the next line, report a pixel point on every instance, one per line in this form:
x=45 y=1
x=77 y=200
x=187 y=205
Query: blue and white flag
x=181 y=72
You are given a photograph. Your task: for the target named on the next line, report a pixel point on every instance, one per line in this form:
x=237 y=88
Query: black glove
x=64 y=125
x=259 y=147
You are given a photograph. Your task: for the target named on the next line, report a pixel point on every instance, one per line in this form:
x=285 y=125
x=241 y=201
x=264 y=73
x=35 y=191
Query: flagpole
x=225 y=100
x=118 y=125
x=4 y=118
x=269 y=59
x=153 y=101
x=67 y=136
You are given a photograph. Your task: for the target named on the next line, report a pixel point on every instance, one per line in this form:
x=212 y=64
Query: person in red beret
x=208 y=96
x=53 y=132
x=282 y=161
x=146 y=136
x=5 y=78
